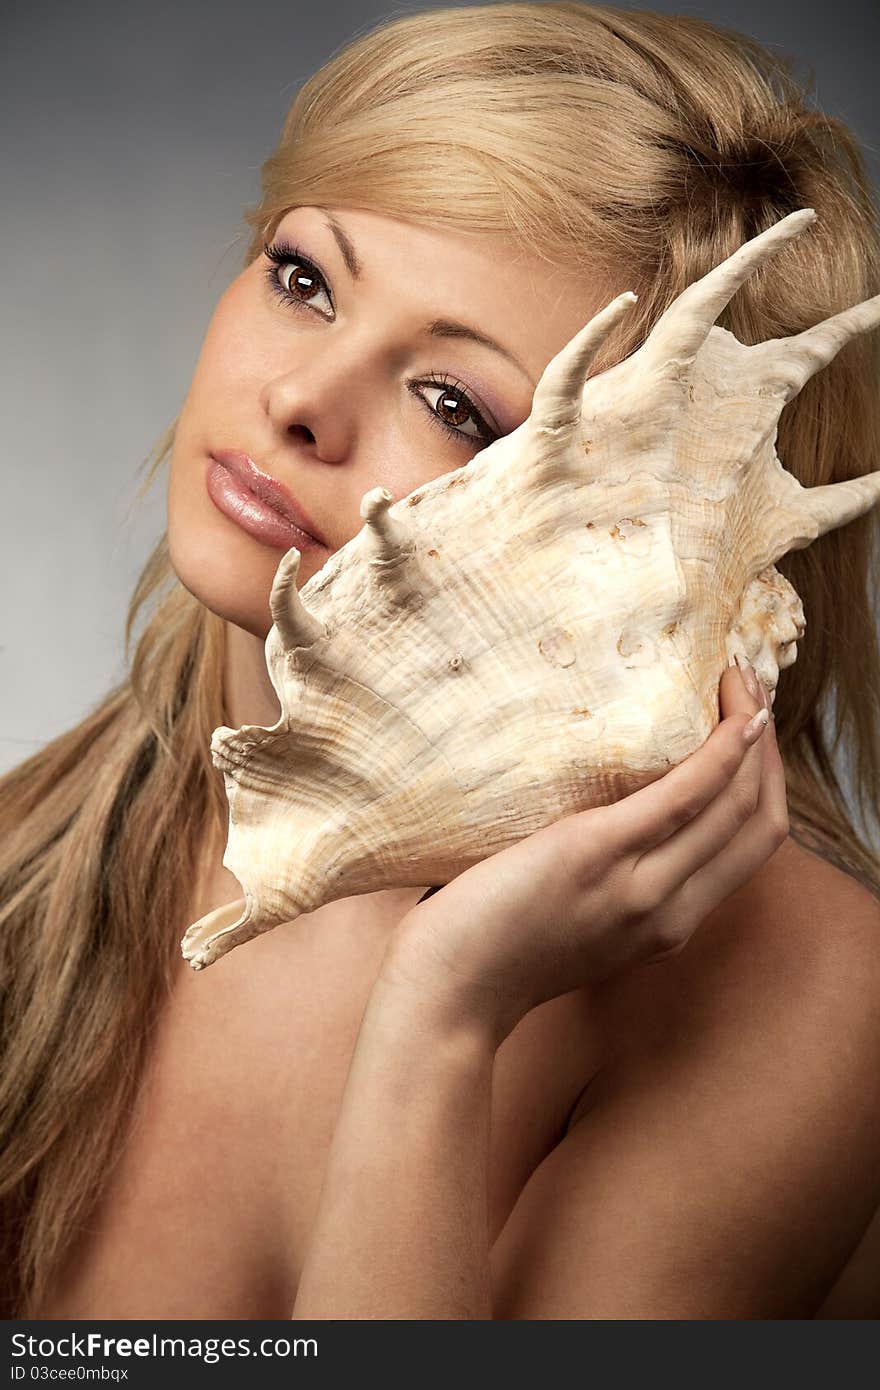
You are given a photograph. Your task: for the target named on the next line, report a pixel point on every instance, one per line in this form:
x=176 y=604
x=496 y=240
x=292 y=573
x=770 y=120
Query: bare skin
x=211 y=1210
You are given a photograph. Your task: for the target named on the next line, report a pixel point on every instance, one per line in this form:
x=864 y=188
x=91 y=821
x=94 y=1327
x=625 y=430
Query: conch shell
x=538 y=632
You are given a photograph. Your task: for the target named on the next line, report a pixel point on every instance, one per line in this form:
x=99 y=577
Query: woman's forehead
x=489 y=278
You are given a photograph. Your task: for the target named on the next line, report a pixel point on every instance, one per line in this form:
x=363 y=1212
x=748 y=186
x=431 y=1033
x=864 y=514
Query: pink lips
x=259 y=502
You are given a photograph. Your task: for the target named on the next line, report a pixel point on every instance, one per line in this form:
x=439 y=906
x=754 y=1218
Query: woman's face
x=327 y=371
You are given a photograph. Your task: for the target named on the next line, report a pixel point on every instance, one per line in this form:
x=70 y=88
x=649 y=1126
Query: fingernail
x=755 y=727
x=750 y=680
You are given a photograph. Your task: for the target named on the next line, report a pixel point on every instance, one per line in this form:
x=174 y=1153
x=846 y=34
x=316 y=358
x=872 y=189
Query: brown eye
x=293 y=278
x=451 y=406
x=302 y=283
x=452 y=409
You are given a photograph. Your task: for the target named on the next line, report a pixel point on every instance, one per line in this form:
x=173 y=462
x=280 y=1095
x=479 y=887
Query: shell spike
x=804 y=354
x=834 y=504
x=681 y=330
x=558 y=398
x=297 y=626
x=388 y=540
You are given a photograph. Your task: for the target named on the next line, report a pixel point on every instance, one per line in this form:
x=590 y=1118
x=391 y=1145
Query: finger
x=558 y=396
x=648 y=817
x=753 y=844
x=697 y=846
x=683 y=328
x=660 y=872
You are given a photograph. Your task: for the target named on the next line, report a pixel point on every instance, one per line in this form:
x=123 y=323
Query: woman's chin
x=226 y=568
x=238 y=593
x=233 y=609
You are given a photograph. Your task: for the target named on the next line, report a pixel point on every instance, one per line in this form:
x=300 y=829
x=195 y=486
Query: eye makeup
x=280 y=253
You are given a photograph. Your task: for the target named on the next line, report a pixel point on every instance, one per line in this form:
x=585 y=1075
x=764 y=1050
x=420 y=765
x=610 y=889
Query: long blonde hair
x=648 y=144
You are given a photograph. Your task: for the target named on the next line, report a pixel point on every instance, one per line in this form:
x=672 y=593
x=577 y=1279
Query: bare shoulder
x=813 y=874
x=807 y=906
x=700 y=1172
x=818 y=925
x=801 y=933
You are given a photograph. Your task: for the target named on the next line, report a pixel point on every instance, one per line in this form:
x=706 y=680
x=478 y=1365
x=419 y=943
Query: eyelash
x=280 y=254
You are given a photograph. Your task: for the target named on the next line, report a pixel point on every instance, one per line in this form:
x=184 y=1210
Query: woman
x=342 y=1120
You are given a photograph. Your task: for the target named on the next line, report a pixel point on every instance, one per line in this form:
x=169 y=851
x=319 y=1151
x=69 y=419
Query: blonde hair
x=647 y=144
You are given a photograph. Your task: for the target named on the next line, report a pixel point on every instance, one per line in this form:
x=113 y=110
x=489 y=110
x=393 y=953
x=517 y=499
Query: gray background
x=132 y=137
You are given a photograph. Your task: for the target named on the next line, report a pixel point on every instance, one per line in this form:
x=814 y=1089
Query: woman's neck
x=248 y=694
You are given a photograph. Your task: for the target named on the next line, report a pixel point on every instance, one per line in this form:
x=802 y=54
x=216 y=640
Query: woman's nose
x=314 y=401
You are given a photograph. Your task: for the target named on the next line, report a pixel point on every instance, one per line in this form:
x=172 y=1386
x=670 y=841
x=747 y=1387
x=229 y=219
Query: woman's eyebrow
x=437 y=328
x=451 y=328
x=346 y=247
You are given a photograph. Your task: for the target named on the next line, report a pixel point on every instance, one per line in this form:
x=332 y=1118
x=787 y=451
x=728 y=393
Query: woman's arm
x=725 y=1168
x=402 y=1223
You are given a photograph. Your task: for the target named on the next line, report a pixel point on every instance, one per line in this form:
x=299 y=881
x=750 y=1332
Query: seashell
x=541 y=631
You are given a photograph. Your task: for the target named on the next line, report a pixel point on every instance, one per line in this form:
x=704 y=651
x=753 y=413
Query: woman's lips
x=258 y=503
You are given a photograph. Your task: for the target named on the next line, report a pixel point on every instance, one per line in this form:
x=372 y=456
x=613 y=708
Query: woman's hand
x=603 y=890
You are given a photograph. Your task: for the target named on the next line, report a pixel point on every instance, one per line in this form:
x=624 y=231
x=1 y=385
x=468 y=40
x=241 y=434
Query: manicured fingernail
x=750 y=680
x=755 y=727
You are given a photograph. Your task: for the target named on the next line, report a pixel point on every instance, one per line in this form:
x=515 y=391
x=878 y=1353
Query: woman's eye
x=293 y=278
x=296 y=280
x=452 y=409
